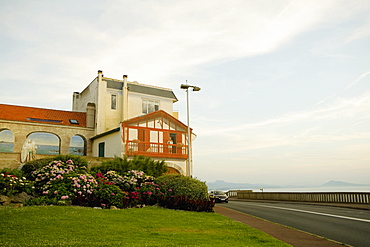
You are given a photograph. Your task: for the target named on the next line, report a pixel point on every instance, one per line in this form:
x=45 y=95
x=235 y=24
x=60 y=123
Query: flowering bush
x=64 y=181
x=108 y=194
x=33 y=165
x=150 y=193
x=130 y=181
x=11 y=184
x=136 y=187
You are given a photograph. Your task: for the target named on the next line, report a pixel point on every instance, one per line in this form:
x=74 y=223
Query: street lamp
x=190 y=161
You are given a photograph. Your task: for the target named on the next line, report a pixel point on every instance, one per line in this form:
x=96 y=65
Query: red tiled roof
x=40 y=115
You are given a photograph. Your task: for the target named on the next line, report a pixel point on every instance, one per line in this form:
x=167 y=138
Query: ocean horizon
x=315 y=189
x=43 y=149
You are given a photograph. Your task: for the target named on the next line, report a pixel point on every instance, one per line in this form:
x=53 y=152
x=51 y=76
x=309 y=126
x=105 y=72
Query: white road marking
x=310 y=212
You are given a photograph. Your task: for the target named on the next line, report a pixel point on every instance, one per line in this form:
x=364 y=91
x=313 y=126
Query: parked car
x=218 y=196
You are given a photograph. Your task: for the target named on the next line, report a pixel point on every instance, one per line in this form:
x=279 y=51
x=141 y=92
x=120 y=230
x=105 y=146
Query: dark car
x=219 y=196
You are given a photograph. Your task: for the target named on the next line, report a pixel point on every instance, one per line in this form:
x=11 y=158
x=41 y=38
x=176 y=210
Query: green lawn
x=150 y=226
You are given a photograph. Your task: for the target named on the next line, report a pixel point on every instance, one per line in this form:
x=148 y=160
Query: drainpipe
x=125 y=98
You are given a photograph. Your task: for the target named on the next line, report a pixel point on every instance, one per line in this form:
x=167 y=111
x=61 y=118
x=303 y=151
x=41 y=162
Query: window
x=73 y=121
x=44 y=120
x=150 y=106
x=113 y=102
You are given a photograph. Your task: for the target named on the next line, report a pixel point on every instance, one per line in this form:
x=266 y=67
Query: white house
x=113 y=118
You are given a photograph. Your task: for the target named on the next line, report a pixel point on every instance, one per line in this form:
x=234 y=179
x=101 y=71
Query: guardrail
x=334 y=197
x=234 y=193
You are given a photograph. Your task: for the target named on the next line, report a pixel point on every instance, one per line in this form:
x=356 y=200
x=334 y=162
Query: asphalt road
x=348 y=226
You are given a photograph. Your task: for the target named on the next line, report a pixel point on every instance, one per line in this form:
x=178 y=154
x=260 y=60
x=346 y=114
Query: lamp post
x=190 y=161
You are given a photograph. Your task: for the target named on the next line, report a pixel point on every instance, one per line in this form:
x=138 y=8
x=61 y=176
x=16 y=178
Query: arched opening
x=77 y=146
x=46 y=143
x=6 y=141
x=172 y=170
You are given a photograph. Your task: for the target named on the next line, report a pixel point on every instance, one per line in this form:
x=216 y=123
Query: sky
x=285 y=85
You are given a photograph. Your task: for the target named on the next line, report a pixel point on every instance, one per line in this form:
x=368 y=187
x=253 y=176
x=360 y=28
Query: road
x=348 y=226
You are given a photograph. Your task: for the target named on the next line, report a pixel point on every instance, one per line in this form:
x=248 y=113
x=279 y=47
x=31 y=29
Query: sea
x=6 y=147
x=365 y=188
x=42 y=149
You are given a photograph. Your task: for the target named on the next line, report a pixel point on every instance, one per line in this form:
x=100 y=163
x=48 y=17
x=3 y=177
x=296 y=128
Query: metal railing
x=330 y=197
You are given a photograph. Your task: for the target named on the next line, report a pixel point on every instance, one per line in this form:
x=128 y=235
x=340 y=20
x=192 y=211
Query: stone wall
x=22 y=130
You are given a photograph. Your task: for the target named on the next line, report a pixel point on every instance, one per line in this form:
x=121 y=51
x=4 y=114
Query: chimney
x=100 y=75
x=76 y=96
x=90 y=115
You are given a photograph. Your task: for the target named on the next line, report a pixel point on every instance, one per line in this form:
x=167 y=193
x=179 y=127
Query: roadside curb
x=342 y=205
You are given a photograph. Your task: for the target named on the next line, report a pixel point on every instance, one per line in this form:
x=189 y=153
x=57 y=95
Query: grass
x=150 y=226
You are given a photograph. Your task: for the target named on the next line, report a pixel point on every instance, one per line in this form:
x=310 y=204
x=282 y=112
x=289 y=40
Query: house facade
x=112 y=118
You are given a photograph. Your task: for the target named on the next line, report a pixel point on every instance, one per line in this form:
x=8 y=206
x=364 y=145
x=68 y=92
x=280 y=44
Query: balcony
x=157 y=150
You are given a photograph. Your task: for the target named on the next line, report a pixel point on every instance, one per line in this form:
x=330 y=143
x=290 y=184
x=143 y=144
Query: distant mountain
x=333 y=183
x=222 y=185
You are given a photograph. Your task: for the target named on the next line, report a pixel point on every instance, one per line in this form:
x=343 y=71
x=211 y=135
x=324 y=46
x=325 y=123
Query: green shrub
x=119 y=165
x=31 y=166
x=148 y=165
x=44 y=200
x=184 y=186
x=185 y=203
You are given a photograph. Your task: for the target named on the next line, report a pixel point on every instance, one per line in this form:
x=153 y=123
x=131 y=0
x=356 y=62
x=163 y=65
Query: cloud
x=336 y=122
x=340 y=108
x=146 y=39
x=359 y=33
x=358 y=79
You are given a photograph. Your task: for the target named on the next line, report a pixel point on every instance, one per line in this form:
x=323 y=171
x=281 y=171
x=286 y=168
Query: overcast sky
x=285 y=93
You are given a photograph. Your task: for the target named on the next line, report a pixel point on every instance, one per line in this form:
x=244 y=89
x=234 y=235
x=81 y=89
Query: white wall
x=113 y=117
x=135 y=104
x=107 y=119
x=89 y=95
x=113 y=145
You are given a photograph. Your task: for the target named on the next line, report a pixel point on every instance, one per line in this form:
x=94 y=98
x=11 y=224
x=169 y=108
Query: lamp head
x=195 y=88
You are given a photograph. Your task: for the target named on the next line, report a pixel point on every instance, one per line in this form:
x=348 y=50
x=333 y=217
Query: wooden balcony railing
x=159 y=150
